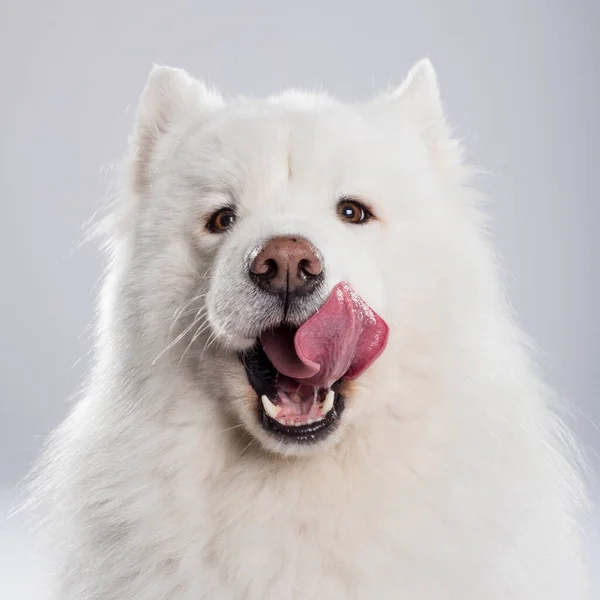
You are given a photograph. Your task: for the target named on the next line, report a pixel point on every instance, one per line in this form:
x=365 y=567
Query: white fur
x=450 y=477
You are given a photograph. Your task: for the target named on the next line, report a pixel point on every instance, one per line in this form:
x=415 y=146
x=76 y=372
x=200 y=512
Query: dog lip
x=262 y=377
x=309 y=433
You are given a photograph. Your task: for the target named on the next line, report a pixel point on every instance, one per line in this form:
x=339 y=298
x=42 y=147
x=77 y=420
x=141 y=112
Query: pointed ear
x=420 y=90
x=419 y=96
x=169 y=93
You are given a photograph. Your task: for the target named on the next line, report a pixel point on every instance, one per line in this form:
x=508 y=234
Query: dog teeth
x=274 y=411
x=328 y=402
x=270 y=408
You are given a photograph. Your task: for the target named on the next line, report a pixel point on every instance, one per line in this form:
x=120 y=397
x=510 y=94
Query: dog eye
x=352 y=211
x=221 y=220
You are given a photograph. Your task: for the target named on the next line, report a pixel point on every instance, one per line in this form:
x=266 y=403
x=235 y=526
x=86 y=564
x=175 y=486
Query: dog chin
x=277 y=447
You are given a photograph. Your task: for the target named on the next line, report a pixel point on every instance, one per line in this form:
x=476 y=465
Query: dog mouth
x=287 y=408
x=298 y=373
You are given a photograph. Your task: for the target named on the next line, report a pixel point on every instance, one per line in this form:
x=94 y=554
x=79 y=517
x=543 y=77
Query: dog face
x=249 y=216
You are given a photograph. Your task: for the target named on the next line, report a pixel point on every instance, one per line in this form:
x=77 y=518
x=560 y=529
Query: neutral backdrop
x=521 y=83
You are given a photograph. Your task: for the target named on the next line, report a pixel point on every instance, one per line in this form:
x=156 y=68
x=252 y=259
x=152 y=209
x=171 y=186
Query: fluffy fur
x=451 y=475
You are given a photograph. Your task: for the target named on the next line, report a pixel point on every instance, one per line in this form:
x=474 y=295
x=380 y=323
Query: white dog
x=307 y=381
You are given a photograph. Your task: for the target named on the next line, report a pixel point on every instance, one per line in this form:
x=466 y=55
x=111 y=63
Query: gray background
x=521 y=82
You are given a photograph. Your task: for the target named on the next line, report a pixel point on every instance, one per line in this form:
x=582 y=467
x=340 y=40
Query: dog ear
x=419 y=97
x=168 y=94
x=421 y=93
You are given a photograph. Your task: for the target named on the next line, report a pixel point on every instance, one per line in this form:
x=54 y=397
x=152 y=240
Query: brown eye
x=353 y=211
x=221 y=220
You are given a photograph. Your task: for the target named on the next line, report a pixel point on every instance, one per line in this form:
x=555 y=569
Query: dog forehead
x=264 y=132
x=272 y=153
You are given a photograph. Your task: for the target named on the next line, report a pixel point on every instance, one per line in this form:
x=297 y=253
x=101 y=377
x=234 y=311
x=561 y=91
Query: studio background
x=520 y=80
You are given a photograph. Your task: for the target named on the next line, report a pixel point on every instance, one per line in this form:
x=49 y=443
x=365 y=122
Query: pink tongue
x=342 y=339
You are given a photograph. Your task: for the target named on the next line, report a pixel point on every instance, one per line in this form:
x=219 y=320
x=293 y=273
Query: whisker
x=201 y=329
x=184 y=305
x=179 y=313
x=246 y=448
x=176 y=340
x=213 y=336
x=230 y=428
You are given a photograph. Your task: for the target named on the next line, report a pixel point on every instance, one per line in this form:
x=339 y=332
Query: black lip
x=305 y=434
x=262 y=377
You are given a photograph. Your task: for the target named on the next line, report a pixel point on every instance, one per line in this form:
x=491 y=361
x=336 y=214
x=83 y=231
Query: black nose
x=287 y=265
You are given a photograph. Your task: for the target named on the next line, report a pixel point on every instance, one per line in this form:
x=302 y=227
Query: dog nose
x=286 y=265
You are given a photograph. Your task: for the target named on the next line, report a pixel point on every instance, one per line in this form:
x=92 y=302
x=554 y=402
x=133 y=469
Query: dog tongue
x=341 y=340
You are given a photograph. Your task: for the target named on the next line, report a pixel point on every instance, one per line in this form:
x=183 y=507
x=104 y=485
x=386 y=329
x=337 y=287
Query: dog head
x=258 y=229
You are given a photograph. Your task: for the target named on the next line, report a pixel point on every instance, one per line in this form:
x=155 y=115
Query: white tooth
x=328 y=402
x=270 y=408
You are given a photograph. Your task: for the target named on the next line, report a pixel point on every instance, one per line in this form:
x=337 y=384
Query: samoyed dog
x=308 y=383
